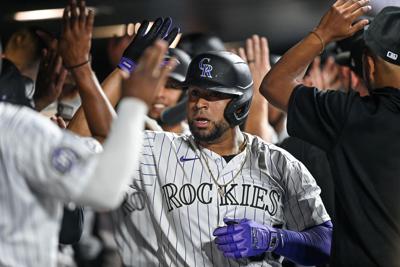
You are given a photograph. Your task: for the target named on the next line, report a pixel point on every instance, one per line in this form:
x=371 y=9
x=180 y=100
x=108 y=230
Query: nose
x=160 y=93
x=201 y=103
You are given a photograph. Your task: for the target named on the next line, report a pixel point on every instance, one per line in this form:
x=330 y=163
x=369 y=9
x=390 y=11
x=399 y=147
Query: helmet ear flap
x=237 y=109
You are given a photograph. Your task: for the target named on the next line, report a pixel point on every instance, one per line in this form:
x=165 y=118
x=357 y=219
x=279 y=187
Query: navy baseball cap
x=382 y=36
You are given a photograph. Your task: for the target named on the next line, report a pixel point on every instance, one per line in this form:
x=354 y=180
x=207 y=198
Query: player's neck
x=230 y=143
x=177 y=128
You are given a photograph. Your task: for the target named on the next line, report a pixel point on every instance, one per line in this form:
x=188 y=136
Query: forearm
x=119 y=159
x=112 y=86
x=96 y=110
x=257 y=122
x=112 y=89
x=310 y=247
x=280 y=81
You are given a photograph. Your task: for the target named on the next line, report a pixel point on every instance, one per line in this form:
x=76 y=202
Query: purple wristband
x=127 y=64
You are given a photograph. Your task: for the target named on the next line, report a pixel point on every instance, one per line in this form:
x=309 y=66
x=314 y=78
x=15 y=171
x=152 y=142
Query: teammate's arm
x=281 y=80
x=74 y=47
x=65 y=168
x=112 y=84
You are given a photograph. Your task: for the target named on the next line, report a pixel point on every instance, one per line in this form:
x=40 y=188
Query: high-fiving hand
x=76 y=34
x=338 y=22
x=159 y=30
x=148 y=77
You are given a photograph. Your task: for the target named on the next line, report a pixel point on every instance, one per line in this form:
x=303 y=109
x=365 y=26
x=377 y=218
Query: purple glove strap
x=126 y=64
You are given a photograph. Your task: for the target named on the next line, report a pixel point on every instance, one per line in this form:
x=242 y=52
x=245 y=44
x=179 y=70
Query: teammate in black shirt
x=359 y=134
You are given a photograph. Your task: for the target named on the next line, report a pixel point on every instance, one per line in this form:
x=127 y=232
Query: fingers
x=256 y=48
x=57 y=64
x=155 y=28
x=152 y=58
x=82 y=12
x=347 y=4
x=143 y=28
x=61 y=78
x=164 y=28
x=359 y=25
x=339 y=3
x=90 y=20
x=66 y=25
x=170 y=66
x=227 y=239
x=242 y=53
x=249 y=50
x=228 y=230
x=74 y=10
x=353 y=5
x=231 y=221
x=172 y=35
x=264 y=49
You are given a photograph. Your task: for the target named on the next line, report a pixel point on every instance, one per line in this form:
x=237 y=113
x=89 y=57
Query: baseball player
x=42 y=167
x=172 y=95
x=218 y=196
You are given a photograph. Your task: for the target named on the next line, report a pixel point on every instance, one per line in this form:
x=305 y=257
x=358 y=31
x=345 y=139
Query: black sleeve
x=71 y=226
x=318 y=117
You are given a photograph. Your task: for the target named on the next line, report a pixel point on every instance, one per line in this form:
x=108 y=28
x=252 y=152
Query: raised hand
x=142 y=40
x=76 y=34
x=149 y=76
x=50 y=79
x=243 y=238
x=338 y=22
x=117 y=45
x=256 y=55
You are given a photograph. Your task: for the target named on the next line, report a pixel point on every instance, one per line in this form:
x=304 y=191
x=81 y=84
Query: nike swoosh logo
x=183 y=159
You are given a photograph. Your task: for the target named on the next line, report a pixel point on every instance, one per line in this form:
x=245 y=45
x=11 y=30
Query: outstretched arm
x=112 y=84
x=336 y=24
x=74 y=47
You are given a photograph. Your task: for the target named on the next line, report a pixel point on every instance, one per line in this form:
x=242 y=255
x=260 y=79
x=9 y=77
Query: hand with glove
x=243 y=238
x=159 y=30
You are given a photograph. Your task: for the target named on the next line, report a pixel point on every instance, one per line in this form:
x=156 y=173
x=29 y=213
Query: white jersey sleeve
x=55 y=162
x=303 y=206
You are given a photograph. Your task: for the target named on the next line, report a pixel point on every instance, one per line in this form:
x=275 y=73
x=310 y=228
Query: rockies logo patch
x=63 y=159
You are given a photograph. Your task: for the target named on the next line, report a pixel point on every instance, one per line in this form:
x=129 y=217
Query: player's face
x=167 y=97
x=205 y=114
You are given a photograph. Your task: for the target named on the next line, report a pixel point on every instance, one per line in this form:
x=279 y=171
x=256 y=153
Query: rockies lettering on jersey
x=173 y=205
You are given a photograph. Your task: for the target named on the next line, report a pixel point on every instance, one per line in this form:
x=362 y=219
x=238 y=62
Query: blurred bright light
x=40 y=14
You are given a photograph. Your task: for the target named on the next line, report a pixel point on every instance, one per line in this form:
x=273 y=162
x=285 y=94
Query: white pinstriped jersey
x=173 y=207
x=41 y=166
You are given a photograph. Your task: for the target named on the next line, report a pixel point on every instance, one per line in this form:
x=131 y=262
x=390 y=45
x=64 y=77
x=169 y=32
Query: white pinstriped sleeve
x=303 y=204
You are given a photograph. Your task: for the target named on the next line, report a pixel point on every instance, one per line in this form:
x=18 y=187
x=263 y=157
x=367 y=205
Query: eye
x=193 y=93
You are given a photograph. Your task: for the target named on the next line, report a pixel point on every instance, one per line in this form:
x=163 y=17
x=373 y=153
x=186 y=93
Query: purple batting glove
x=243 y=238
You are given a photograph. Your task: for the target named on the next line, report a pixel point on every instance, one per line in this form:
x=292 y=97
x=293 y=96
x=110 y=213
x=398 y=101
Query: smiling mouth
x=159 y=106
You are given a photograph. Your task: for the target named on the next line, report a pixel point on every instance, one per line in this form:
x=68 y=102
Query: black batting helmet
x=226 y=73
x=179 y=73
